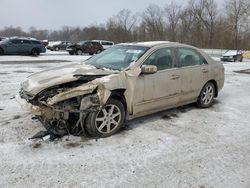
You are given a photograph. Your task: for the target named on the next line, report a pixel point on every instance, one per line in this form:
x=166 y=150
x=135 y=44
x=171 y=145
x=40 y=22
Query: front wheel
x=107 y=121
x=79 y=52
x=98 y=51
x=207 y=94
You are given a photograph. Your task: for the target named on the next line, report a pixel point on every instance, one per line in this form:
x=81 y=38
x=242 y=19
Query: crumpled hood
x=59 y=75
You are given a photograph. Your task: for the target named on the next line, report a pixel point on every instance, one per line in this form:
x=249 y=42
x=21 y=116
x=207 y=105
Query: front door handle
x=175 y=77
x=204 y=70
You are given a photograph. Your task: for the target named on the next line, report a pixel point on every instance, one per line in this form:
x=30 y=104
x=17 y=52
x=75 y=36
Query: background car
x=14 y=46
x=45 y=42
x=90 y=47
x=2 y=38
x=233 y=56
x=59 y=45
x=105 y=44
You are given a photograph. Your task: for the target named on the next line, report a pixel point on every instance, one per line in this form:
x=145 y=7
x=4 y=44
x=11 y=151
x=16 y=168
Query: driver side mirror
x=149 y=69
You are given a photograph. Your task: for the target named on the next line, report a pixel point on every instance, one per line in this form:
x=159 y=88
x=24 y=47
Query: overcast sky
x=53 y=14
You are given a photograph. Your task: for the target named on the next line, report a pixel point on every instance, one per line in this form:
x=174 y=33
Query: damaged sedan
x=126 y=81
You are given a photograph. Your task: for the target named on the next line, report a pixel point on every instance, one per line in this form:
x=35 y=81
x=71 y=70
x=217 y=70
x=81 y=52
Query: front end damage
x=63 y=109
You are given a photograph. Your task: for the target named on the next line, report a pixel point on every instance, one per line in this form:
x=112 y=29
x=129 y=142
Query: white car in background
x=105 y=44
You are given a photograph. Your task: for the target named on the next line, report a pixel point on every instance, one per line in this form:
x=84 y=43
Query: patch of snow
x=183 y=147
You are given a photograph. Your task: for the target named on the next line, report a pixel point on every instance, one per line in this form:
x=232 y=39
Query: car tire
x=106 y=122
x=79 y=52
x=91 y=54
x=35 y=52
x=1 y=51
x=71 y=53
x=206 y=96
x=98 y=51
x=57 y=48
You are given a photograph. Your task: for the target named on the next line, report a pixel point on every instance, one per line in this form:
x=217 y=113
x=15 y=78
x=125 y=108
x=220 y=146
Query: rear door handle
x=204 y=70
x=175 y=77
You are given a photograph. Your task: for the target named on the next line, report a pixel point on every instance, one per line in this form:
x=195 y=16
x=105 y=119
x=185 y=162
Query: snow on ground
x=48 y=56
x=183 y=147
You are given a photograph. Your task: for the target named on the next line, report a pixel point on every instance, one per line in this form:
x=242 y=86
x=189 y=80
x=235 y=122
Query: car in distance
x=232 y=56
x=123 y=82
x=16 y=46
x=59 y=45
x=105 y=44
x=90 y=47
x=2 y=38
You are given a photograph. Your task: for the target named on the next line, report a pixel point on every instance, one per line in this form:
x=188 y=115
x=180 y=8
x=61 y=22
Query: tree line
x=201 y=23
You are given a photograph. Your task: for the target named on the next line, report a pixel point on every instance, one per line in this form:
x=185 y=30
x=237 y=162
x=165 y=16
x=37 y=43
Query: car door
x=14 y=46
x=86 y=47
x=159 y=90
x=63 y=45
x=194 y=72
x=26 y=46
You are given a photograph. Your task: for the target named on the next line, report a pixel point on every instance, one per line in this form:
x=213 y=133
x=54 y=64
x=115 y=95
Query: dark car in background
x=232 y=56
x=105 y=44
x=90 y=47
x=2 y=38
x=18 y=46
x=59 y=45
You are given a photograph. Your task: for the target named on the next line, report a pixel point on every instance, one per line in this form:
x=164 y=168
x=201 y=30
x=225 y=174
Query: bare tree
x=154 y=23
x=198 y=23
x=173 y=14
x=206 y=12
x=121 y=25
x=238 y=10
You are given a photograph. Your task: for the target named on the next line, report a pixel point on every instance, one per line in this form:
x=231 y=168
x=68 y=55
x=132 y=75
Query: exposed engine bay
x=65 y=117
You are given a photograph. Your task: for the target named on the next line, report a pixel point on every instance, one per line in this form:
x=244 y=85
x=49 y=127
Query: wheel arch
x=119 y=95
x=215 y=86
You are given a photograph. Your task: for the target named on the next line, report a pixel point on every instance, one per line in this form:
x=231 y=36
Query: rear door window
x=26 y=42
x=189 y=57
x=16 y=41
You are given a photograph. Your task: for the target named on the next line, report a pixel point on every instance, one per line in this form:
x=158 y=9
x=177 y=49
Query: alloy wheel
x=207 y=95
x=108 y=119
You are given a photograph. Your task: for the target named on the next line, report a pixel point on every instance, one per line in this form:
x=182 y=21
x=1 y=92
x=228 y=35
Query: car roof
x=23 y=38
x=102 y=41
x=148 y=43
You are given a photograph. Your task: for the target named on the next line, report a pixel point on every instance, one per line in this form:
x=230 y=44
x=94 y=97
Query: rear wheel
x=79 y=52
x=57 y=48
x=35 y=52
x=71 y=53
x=207 y=94
x=107 y=121
x=98 y=51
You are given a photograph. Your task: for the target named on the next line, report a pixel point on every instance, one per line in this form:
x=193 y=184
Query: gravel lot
x=183 y=147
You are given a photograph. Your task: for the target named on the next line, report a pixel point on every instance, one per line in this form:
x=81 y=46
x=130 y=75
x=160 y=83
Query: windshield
x=117 y=57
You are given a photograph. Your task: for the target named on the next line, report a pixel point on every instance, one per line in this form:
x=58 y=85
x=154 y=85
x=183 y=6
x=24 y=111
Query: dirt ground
x=183 y=147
